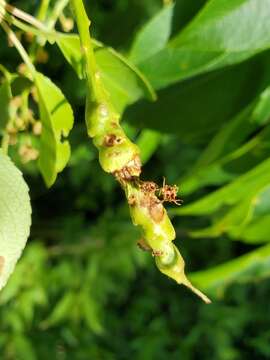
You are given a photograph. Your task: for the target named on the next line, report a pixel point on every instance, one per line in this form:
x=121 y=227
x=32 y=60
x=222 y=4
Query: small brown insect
x=149 y=187
x=169 y=193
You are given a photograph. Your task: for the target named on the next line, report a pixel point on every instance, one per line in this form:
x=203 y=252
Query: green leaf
x=121 y=78
x=21 y=344
x=57 y=121
x=235 y=131
x=248 y=183
x=196 y=108
x=224 y=155
x=153 y=36
x=211 y=41
x=213 y=174
x=148 y=141
x=15 y=217
x=255 y=202
x=61 y=310
x=257 y=231
x=233 y=222
x=5 y=97
x=261 y=202
x=90 y=313
x=214 y=27
x=237 y=218
x=253 y=265
x=69 y=44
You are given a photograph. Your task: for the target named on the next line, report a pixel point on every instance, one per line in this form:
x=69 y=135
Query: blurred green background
x=83 y=289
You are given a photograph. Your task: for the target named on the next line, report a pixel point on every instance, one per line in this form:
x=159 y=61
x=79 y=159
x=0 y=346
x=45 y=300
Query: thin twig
x=83 y=24
x=56 y=12
x=23 y=16
x=16 y=42
x=41 y=15
x=28 y=28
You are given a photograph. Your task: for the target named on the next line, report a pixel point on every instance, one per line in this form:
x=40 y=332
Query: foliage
x=15 y=217
x=82 y=289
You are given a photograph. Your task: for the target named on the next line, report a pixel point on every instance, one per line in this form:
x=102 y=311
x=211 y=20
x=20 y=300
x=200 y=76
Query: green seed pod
x=175 y=270
x=119 y=156
x=115 y=158
x=158 y=233
x=148 y=213
x=116 y=151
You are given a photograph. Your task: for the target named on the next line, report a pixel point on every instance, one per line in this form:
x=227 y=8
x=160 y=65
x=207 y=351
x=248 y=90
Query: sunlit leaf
x=121 y=78
x=235 y=131
x=257 y=231
x=250 y=182
x=210 y=41
x=224 y=158
x=253 y=265
x=57 y=121
x=148 y=142
x=15 y=217
x=196 y=108
x=153 y=36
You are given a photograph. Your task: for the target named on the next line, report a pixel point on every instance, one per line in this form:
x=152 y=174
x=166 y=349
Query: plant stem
x=23 y=15
x=83 y=24
x=16 y=42
x=56 y=12
x=51 y=34
x=120 y=157
x=41 y=15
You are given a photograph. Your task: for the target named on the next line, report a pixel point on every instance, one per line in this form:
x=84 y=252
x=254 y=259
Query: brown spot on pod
x=132 y=200
x=131 y=170
x=156 y=211
x=143 y=245
x=112 y=140
x=137 y=163
x=2 y=262
x=157 y=253
x=153 y=205
x=145 y=201
x=114 y=124
x=123 y=174
x=134 y=166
